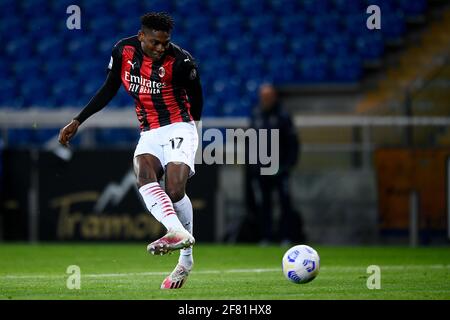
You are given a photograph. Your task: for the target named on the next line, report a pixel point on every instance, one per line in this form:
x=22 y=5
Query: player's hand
x=66 y=133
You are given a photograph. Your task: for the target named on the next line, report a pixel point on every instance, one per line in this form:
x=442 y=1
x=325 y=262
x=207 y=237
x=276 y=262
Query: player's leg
x=148 y=171
x=177 y=174
x=179 y=155
x=176 y=177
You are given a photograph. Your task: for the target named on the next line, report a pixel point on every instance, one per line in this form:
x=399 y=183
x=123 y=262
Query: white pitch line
x=156 y=273
x=260 y=270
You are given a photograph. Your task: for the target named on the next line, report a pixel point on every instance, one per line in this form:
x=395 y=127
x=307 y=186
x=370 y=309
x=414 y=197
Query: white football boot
x=176 y=279
x=172 y=240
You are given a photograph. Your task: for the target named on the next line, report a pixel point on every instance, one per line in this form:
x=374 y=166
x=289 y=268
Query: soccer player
x=163 y=80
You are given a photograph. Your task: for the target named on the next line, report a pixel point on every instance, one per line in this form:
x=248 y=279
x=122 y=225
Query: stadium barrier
x=93 y=197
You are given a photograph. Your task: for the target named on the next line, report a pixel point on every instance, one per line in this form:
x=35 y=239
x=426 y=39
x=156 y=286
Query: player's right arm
x=103 y=96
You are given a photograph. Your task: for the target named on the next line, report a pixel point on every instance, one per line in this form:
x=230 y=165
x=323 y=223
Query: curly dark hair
x=159 y=21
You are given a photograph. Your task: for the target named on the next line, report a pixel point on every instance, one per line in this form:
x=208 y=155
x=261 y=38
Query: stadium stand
x=286 y=42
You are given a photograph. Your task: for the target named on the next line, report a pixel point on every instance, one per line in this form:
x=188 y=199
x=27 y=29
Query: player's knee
x=175 y=192
x=142 y=181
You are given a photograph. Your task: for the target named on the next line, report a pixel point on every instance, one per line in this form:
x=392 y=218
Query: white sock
x=184 y=211
x=160 y=205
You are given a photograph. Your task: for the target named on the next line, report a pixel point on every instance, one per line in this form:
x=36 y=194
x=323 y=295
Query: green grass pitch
x=127 y=271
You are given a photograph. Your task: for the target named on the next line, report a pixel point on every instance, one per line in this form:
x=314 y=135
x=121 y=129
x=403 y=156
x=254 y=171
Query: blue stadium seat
x=253 y=7
x=240 y=47
x=121 y=100
x=9 y=8
x=41 y=27
x=315 y=69
x=211 y=107
x=51 y=47
x=102 y=25
x=206 y=47
x=65 y=92
x=251 y=67
x=251 y=86
x=127 y=26
x=27 y=69
x=202 y=24
x=273 y=48
x=336 y=45
x=95 y=9
x=236 y=107
x=385 y=5
x=5 y=71
x=187 y=7
x=315 y=7
x=355 y=23
x=157 y=5
x=237 y=44
x=283 y=71
x=59 y=7
x=245 y=108
x=8 y=23
x=229 y=108
x=227 y=88
x=95 y=68
x=370 y=46
x=207 y=84
x=90 y=85
x=184 y=41
x=129 y=8
x=230 y=26
x=413 y=8
x=347 y=68
x=304 y=45
x=105 y=46
x=219 y=68
x=283 y=7
x=128 y=22
x=261 y=26
x=34 y=8
x=58 y=69
x=294 y=24
x=218 y=8
x=35 y=92
x=81 y=48
x=326 y=23
x=393 y=25
x=9 y=94
x=346 y=7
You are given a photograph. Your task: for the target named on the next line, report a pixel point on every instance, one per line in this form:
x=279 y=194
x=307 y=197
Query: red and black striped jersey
x=164 y=90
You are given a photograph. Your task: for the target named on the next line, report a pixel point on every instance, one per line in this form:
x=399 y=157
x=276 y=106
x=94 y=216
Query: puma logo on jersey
x=186 y=60
x=131 y=64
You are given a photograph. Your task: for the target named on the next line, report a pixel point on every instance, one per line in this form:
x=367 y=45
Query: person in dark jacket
x=269 y=114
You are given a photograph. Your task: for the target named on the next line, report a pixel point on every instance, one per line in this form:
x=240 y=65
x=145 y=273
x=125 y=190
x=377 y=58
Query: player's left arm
x=193 y=86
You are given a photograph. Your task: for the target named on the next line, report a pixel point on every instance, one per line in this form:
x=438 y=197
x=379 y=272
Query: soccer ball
x=301 y=264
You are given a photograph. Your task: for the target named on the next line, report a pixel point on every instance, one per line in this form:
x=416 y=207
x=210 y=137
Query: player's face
x=154 y=43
